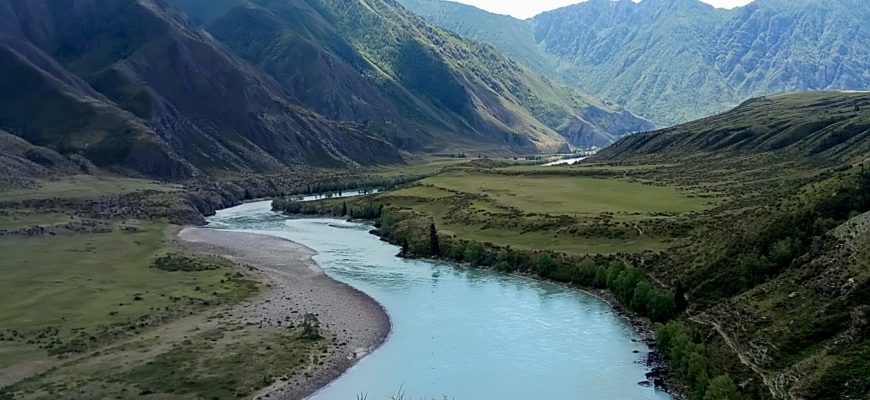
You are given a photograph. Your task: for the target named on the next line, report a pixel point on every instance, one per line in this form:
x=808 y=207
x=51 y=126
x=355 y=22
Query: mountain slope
x=827 y=128
x=777 y=275
x=673 y=61
x=53 y=108
x=514 y=37
x=410 y=81
x=132 y=84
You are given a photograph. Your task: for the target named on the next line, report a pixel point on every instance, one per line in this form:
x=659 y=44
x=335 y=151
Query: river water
x=464 y=333
x=565 y=161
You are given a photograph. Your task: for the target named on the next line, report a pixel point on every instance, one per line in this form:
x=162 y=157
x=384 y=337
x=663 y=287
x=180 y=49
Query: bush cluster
x=690 y=360
x=290 y=206
x=177 y=262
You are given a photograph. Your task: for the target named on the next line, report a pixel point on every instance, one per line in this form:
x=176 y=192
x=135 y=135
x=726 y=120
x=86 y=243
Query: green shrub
x=691 y=363
x=545 y=265
x=457 y=251
x=503 y=266
x=176 y=262
x=474 y=253
x=722 y=388
x=310 y=327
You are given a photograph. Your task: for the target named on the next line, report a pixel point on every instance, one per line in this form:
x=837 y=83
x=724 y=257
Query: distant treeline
x=368 y=182
x=335 y=209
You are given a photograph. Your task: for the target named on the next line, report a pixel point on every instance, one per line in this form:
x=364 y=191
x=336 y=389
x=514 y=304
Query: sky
x=529 y=8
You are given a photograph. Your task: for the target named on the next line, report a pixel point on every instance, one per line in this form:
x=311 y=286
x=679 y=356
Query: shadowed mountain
x=676 y=60
x=423 y=88
x=131 y=85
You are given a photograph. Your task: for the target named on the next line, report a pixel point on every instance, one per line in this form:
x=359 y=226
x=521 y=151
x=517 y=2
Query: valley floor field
x=96 y=303
x=551 y=208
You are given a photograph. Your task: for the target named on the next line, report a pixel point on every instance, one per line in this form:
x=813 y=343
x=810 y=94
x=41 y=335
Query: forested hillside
x=777 y=278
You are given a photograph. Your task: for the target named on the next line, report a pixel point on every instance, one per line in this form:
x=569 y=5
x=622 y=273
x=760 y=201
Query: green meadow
x=81 y=186
x=556 y=209
x=64 y=294
x=561 y=194
x=106 y=311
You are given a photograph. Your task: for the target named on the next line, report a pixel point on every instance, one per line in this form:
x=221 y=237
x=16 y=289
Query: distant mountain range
x=672 y=61
x=182 y=88
x=140 y=86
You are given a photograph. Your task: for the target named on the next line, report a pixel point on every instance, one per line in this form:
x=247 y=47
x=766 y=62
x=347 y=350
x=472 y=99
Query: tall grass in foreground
x=400 y=395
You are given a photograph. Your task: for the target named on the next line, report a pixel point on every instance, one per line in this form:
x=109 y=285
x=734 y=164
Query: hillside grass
x=12 y=218
x=422 y=166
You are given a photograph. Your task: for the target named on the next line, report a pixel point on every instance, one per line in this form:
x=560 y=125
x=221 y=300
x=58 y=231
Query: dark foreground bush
x=176 y=262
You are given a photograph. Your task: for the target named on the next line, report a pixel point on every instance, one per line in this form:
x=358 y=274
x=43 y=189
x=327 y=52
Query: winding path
x=744 y=358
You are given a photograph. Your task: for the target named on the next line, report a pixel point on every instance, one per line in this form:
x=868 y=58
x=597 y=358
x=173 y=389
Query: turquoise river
x=464 y=333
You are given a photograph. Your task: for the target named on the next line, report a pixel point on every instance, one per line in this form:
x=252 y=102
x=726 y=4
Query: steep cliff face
x=131 y=85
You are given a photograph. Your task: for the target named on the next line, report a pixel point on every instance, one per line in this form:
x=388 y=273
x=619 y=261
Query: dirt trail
x=744 y=359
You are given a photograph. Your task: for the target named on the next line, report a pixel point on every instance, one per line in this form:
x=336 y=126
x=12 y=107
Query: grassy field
x=557 y=241
x=10 y=219
x=423 y=166
x=551 y=209
x=66 y=293
x=111 y=307
x=559 y=194
x=88 y=286
x=206 y=361
x=571 y=169
x=85 y=186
